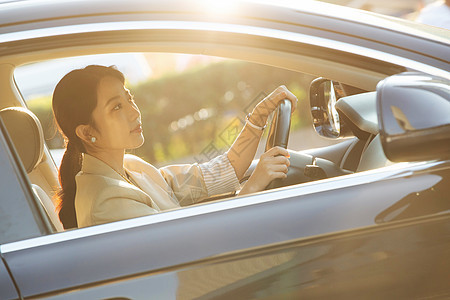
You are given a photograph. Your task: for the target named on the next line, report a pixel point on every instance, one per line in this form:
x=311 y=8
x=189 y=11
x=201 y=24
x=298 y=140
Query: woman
x=99 y=120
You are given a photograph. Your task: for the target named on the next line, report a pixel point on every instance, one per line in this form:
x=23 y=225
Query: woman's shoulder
x=99 y=187
x=100 y=199
x=95 y=183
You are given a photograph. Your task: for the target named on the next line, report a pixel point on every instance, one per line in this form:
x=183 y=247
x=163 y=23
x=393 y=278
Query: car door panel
x=375 y=263
x=150 y=245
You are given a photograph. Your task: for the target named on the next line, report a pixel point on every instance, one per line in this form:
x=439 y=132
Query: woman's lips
x=137 y=129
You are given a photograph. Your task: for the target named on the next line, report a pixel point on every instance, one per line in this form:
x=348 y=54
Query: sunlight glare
x=218 y=7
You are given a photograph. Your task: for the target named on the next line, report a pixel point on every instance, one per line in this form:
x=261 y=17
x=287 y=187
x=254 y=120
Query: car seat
x=27 y=136
x=360 y=113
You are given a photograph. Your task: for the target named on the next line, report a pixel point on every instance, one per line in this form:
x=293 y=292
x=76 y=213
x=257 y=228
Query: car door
x=315 y=239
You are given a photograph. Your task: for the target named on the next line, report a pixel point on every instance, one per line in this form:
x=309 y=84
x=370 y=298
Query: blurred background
x=406 y=9
x=192 y=106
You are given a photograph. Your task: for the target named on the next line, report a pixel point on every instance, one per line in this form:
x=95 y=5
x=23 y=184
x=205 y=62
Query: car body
x=375 y=233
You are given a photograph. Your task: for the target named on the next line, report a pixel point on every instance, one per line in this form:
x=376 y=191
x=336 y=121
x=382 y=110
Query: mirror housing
x=322 y=97
x=414 y=117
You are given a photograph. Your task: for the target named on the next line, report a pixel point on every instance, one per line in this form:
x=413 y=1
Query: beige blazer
x=103 y=196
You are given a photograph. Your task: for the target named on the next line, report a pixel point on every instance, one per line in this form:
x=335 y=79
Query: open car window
x=193 y=106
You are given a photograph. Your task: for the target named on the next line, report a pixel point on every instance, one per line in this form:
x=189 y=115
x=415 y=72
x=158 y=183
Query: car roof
x=28 y=13
x=25 y=20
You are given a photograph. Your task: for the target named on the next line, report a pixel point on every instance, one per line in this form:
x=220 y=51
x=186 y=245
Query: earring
x=93 y=139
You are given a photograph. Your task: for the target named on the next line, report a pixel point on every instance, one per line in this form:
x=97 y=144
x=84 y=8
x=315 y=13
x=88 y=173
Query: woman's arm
x=243 y=150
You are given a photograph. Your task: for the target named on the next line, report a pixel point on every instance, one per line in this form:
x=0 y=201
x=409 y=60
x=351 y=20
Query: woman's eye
x=117 y=107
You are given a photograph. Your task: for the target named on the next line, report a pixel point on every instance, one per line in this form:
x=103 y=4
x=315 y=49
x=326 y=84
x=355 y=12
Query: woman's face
x=116 y=117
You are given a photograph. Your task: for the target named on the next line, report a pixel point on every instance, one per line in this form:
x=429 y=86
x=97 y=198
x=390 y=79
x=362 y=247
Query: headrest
x=26 y=133
x=360 y=110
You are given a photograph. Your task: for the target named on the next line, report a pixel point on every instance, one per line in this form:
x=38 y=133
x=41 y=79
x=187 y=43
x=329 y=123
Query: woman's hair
x=74 y=99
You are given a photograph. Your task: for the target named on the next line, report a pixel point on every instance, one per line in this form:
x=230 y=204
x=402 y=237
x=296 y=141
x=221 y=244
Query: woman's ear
x=83 y=132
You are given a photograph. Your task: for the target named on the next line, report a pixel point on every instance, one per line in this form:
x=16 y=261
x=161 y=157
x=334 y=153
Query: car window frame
x=87 y=41
x=27 y=199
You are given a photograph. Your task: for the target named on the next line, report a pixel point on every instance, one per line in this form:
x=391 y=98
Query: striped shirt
x=219 y=175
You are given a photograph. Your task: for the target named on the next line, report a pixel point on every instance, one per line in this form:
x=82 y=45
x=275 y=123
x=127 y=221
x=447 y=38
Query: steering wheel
x=304 y=167
x=279 y=133
x=281 y=124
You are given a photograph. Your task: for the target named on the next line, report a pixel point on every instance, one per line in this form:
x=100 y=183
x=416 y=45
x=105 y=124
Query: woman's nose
x=134 y=111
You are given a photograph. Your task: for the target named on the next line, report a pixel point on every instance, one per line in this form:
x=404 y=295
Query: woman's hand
x=243 y=150
x=272 y=164
x=266 y=106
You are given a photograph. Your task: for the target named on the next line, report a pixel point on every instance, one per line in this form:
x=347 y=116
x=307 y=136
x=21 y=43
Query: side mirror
x=414 y=117
x=323 y=99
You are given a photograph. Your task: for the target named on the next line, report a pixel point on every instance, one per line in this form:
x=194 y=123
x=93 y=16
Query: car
x=366 y=216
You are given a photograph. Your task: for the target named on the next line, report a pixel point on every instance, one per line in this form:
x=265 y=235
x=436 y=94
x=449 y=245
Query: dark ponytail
x=74 y=99
x=70 y=166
